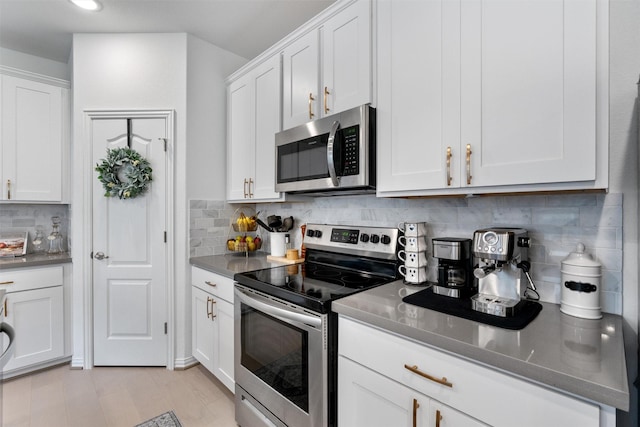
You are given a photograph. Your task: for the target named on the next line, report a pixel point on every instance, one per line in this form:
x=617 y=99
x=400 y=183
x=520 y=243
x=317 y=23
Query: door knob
x=100 y=255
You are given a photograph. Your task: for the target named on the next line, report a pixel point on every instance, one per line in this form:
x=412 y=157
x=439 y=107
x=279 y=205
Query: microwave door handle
x=330 y=161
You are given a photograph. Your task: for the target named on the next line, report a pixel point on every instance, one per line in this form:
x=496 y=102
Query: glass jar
x=39 y=241
x=55 y=238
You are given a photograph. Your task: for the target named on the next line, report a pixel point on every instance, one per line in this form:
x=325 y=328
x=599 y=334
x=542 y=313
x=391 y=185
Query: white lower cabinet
x=381 y=376
x=369 y=399
x=34 y=306
x=212 y=324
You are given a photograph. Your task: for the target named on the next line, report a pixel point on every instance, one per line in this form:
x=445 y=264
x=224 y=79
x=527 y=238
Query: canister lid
x=580 y=258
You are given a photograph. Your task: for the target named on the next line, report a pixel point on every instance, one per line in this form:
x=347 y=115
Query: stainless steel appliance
x=285 y=333
x=329 y=155
x=502 y=255
x=454 y=267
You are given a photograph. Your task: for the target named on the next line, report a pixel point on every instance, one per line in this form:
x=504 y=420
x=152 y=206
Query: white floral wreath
x=124 y=173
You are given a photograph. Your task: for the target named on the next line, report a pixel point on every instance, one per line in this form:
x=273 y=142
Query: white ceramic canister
x=279 y=243
x=580 y=295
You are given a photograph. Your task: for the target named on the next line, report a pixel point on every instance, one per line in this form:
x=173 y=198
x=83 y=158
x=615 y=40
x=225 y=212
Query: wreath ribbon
x=124 y=173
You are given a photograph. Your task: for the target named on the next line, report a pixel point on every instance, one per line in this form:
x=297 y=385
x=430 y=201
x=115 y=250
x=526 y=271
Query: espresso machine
x=454 y=267
x=502 y=270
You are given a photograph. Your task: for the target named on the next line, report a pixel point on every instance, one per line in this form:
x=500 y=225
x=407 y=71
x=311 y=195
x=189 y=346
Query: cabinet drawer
x=213 y=283
x=22 y=279
x=473 y=389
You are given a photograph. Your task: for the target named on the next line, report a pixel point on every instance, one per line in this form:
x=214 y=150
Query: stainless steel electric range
x=286 y=336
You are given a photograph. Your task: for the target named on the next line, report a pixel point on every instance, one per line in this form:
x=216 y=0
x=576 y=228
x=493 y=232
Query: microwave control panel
x=351 y=150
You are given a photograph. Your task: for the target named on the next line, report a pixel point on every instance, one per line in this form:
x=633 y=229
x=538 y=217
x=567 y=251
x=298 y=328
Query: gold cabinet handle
x=469 y=164
x=8 y=189
x=311 y=99
x=251 y=188
x=416 y=405
x=438 y=418
x=210 y=314
x=244 y=188
x=213 y=316
x=415 y=370
x=449 y=166
x=6 y=310
x=209 y=310
x=8 y=282
x=326 y=93
x=210 y=283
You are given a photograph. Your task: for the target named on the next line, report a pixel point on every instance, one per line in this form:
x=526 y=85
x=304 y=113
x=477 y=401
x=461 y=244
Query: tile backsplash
x=556 y=224
x=19 y=217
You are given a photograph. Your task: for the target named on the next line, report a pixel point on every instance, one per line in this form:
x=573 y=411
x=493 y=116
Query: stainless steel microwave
x=333 y=154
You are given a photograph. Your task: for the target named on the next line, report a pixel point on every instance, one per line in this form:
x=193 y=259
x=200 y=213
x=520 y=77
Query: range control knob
x=317 y=233
x=385 y=239
x=375 y=238
x=364 y=237
x=310 y=233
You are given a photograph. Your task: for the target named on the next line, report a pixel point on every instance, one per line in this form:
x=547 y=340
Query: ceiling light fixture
x=92 y=5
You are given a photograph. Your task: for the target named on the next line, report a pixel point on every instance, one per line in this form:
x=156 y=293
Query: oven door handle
x=335 y=180
x=280 y=313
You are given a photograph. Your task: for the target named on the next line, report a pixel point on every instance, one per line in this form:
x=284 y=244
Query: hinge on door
x=165 y=237
x=165 y=328
x=91 y=254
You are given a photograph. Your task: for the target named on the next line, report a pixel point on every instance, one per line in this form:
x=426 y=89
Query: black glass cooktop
x=310 y=285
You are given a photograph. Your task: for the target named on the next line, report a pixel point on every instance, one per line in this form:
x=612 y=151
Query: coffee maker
x=454 y=267
x=502 y=261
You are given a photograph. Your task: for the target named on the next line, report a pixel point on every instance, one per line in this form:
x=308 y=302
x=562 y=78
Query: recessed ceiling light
x=93 y=5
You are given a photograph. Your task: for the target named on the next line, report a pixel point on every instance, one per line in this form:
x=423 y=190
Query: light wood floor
x=119 y=397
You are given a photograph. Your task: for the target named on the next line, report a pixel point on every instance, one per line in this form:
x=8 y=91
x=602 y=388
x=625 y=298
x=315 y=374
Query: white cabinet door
x=346 y=59
x=212 y=334
x=300 y=76
x=485 y=94
x=202 y=328
x=418 y=95
x=32 y=140
x=329 y=69
x=240 y=139
x=267 y=85
x=38 y=320
x=223 y=342
x=369 y=399
x=528 y=85
x=444 y=416
x=254 y=119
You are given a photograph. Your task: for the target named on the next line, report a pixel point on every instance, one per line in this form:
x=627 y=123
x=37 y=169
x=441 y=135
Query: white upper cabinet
x=328 y=69
x=253 y=121
x=486 y=94
x=301 y=75
x=33 y=140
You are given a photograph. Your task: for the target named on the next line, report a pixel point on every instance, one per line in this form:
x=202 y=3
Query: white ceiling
x=245 y=27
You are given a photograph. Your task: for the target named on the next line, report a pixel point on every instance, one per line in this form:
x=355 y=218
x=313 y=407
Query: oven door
x=281 y=362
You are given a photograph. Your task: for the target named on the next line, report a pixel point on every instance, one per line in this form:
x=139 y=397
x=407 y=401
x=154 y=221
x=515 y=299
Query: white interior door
x=130 y=282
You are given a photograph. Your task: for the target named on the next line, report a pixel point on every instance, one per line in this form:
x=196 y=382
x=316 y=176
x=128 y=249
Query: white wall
x=35 y=64
x=208 y=67
x=147 y=71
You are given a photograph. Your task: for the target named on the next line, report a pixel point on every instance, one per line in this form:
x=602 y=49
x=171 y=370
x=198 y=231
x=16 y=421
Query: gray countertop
x=579 y=356
x=230 y=264
x=34 y=260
